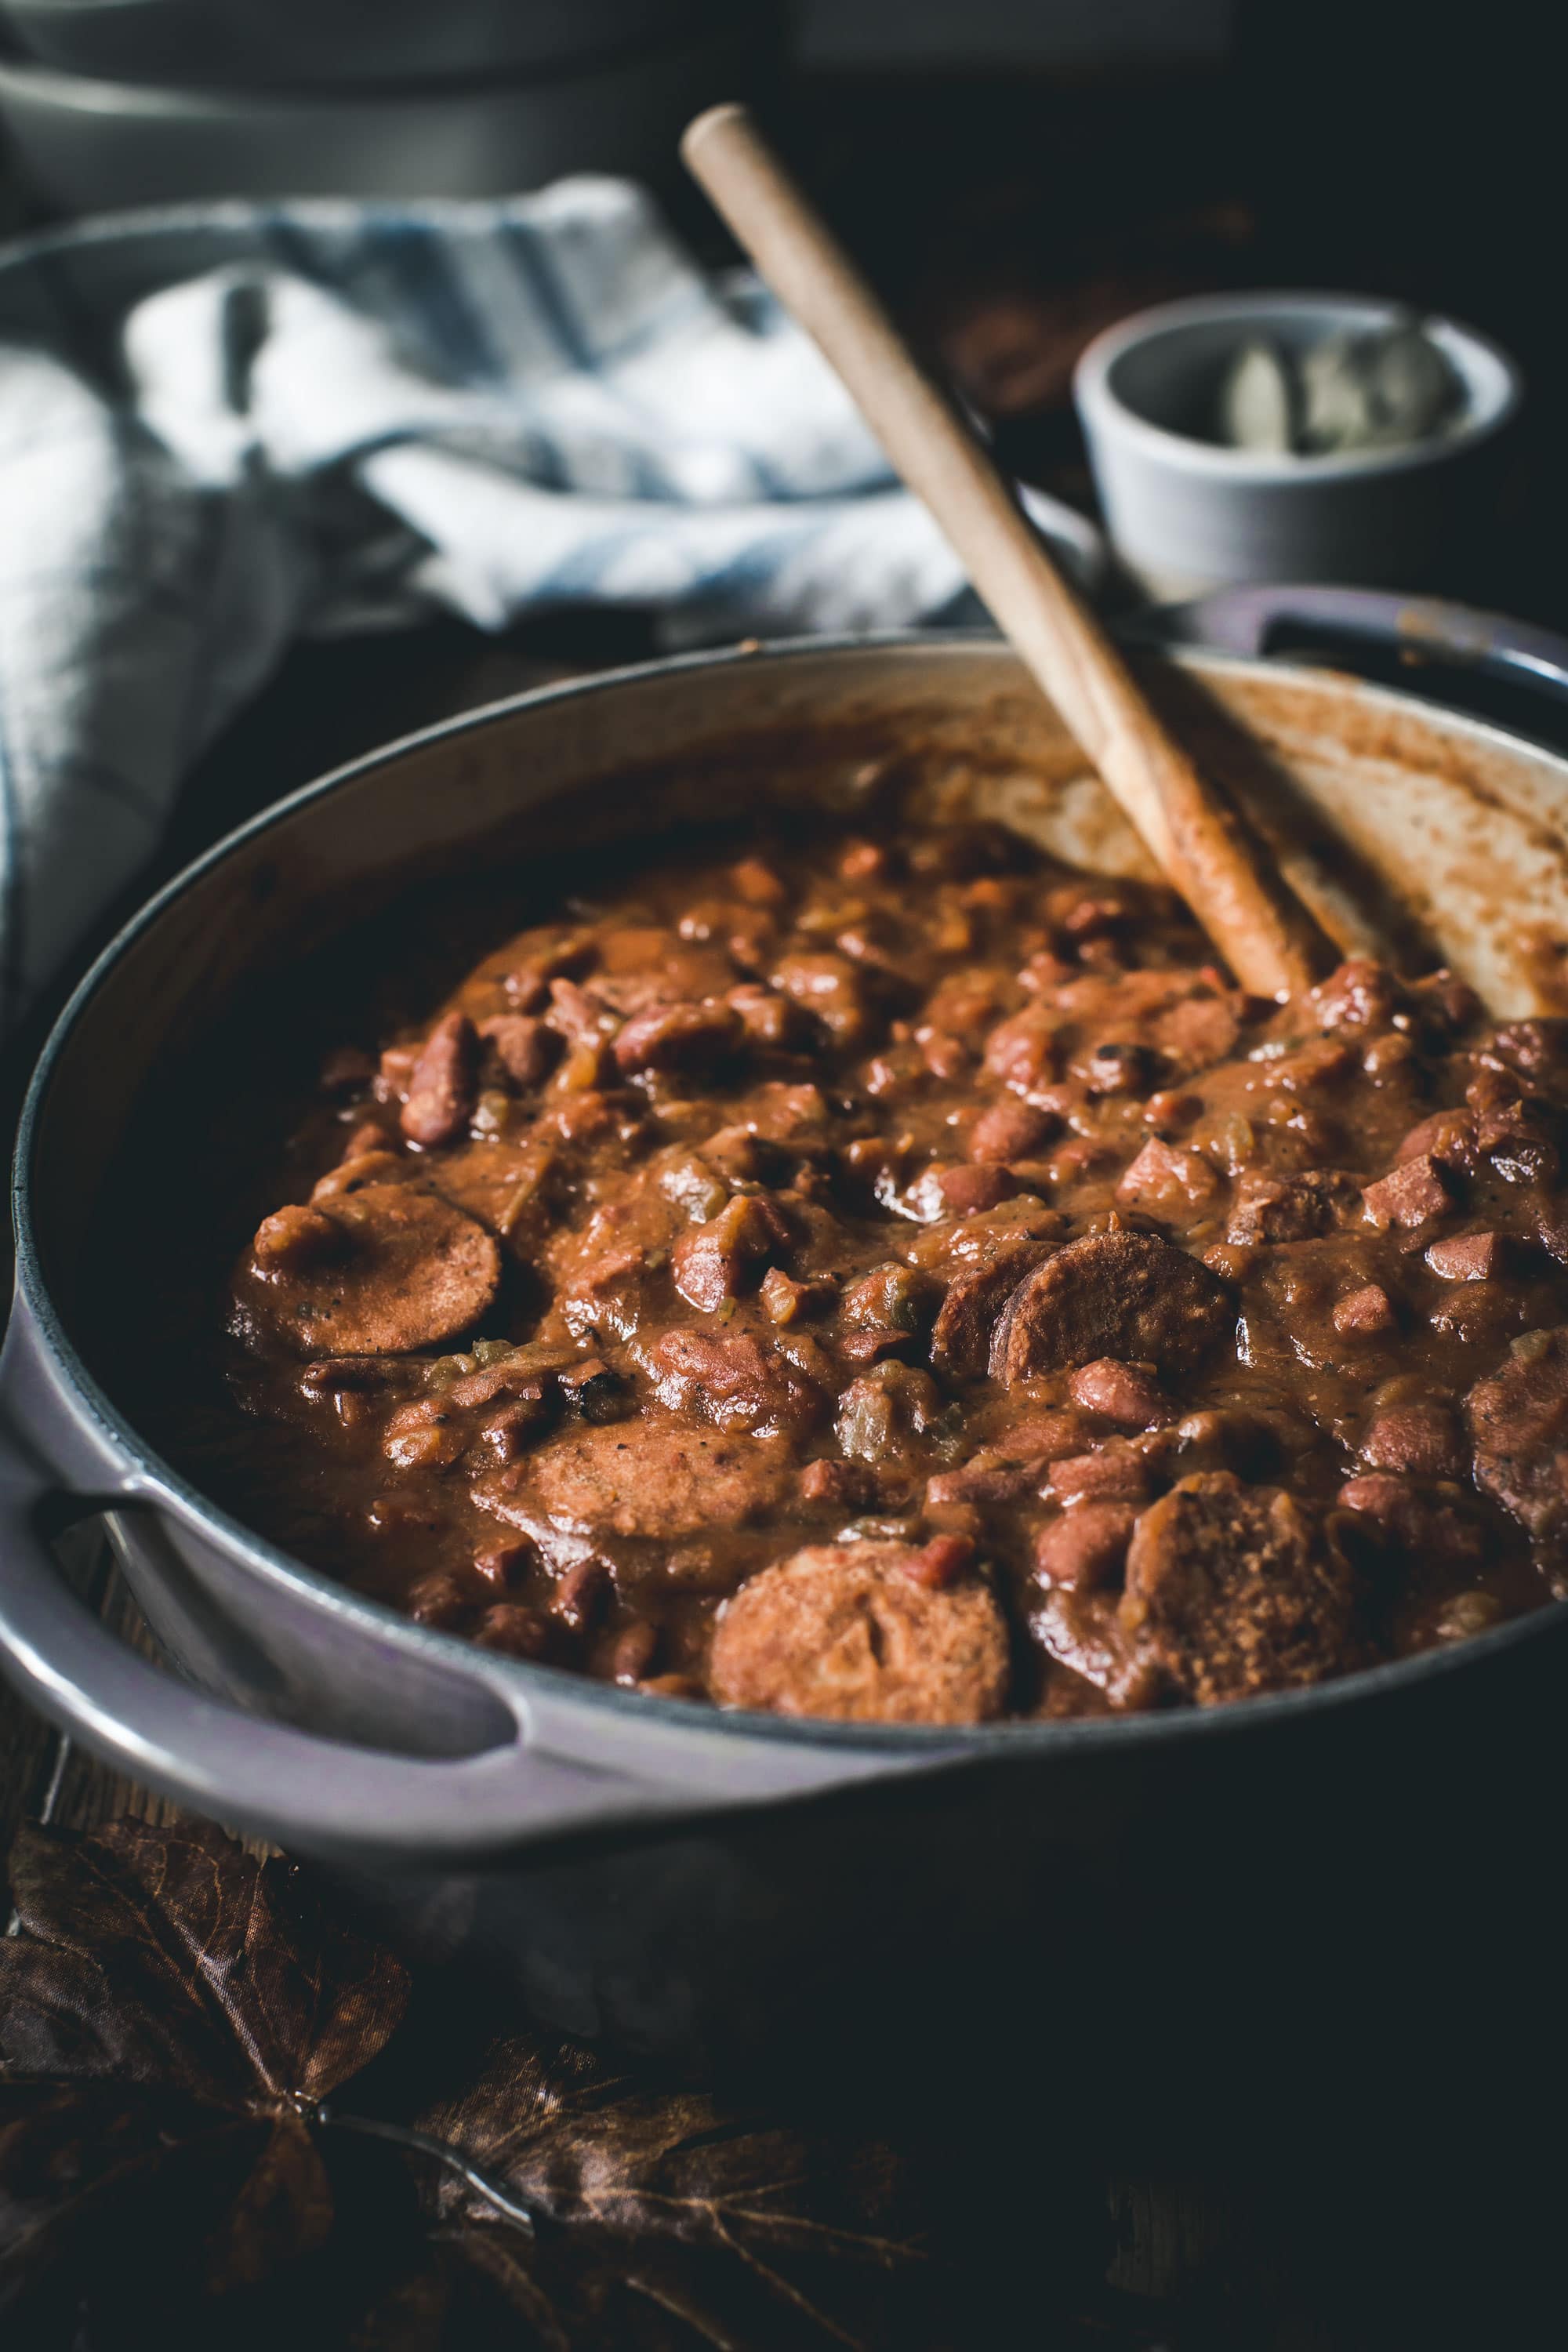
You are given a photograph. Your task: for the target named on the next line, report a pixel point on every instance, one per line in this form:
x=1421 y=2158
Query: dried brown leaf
x=664 y=2218
x=170 y=1956
x=173 y=2016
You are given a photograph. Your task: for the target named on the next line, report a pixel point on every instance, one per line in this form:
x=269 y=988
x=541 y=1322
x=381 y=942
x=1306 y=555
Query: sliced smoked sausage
x=852 y=1630
x=961 y=1338
x=668 y=1476
x=409 y=1271
x=1519 y=1421
x=1124 y=1294
x=1237 y=1588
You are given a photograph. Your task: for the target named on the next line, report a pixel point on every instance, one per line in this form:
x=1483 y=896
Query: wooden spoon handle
x=1265 y=934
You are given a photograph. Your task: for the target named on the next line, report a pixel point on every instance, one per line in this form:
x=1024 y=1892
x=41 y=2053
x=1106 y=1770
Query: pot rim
x=156 y=1481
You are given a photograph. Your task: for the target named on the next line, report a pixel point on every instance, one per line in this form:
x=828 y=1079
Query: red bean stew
x=891 y=1275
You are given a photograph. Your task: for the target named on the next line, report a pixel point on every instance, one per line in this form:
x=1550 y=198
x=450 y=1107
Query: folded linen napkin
x=221 y=428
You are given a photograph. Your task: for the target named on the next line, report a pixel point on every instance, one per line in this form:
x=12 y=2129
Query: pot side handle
x=316 y=1795
x=1508 y=671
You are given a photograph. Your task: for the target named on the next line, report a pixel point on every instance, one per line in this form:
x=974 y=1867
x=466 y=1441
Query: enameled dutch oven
x=1192 y=1888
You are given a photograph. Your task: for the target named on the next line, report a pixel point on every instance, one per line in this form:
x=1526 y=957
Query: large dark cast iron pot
x=1184 y=1895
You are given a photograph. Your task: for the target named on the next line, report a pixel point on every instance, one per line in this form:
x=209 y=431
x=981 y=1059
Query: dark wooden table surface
x=990 y=214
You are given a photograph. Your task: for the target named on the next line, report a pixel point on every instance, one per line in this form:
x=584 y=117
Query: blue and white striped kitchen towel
x=222 y=427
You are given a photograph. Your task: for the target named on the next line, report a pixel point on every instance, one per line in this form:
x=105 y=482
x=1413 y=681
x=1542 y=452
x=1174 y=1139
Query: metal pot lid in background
x=96 y=144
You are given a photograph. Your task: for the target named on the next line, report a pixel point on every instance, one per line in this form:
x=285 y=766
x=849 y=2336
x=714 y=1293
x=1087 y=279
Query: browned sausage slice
x=848 y=1631
x=1123 y=1294
x=1519 y=1419
x=407 y=1270
x=1235 y=1589
x=961 y=1338
x=665 y=1477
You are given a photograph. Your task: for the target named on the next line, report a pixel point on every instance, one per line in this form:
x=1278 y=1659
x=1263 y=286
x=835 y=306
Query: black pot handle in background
x=1506 y=671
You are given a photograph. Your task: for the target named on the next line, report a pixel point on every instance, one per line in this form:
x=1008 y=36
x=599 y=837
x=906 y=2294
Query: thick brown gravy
x=882 y=1275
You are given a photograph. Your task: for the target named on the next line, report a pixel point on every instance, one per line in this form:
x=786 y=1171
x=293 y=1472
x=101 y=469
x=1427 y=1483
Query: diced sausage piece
x=293 y=1239
x=1085 y=1548
x=1468 y=1257
x=580 y=1018
x=1413 y=1196
x=1359 y=994
x=1519 y=1419
x=442 y=1083
x=781 y=1113
x=1196 y=1031
x=961 y=1340
x=862 y=861
x=709 y=1263
x=1121 y=1393
x=1022 y=1051
x=1363 y=1314
x=756 y=883
x=1123 y=1294
x=767 y=1020
x=940 y=1563
x=525 y=1047
x=1431 y=1529
x=578 y=1598
x=842 y=1485
x=1167 y=1181
x=733 y=1380
x=410 y=1271
x=653 y=1477
x=1111 y=1068
x=677 y=1037
x=1114 y=1473
x=1448 y=1137
x=830 y=987
x=965 y=1192
x=944 y=1055
x=1235 y=1588
x=1418 y=1438
x=846 y=1631
x=1011 y=1130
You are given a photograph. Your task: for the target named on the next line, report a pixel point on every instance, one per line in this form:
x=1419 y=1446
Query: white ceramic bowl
x=1187 y=514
